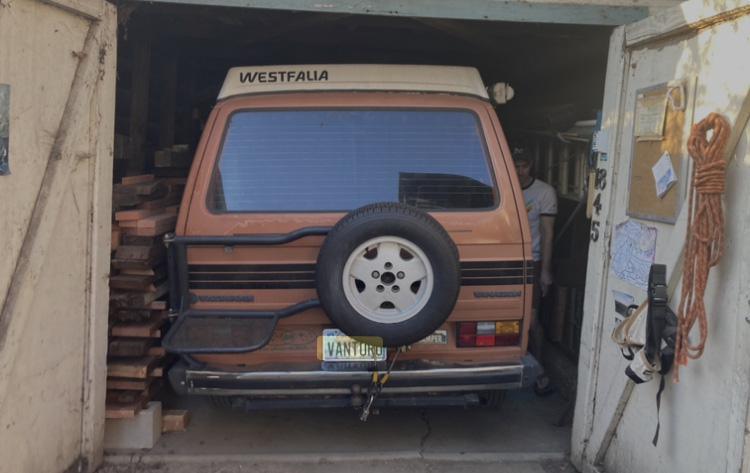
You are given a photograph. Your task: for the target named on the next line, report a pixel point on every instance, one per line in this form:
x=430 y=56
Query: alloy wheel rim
x=388 y=279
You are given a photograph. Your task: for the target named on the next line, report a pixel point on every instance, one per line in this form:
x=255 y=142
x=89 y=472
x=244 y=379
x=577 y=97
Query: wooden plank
x=178 y=156
x=115 y=238
x=124 y=225
x=130 y=315
x=135 y=300
x=125 y=404
x=175 y=420
x=172 y=198
x=148 y=329
x=131 y=264
x=153 y=189
x=488 y=10
x=156 y=225
x=146 y=253
x=139 y=179
x=133 y=282
x=134 y=214
x=157 y=272
x=142 y=240
x=159 y=352
x=123 y=411
x=130 y=347
x=124 y=196
x=128 y=384
x=156 y=221
x=138 y=367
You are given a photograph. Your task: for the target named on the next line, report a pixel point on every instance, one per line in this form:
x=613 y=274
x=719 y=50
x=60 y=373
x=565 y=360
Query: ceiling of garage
x=549 y=65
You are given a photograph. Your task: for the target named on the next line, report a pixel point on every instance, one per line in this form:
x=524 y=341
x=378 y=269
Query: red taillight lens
x=488 y=334
x=485 y=340
x=467 y=334
x=466 y=341
x=467 y=328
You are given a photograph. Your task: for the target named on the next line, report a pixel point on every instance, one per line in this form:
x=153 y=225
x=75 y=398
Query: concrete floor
x=521 y=437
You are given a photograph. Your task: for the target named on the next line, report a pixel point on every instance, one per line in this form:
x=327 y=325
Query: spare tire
x=390 y=271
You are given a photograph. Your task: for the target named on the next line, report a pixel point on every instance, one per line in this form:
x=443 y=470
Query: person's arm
x=547 y=227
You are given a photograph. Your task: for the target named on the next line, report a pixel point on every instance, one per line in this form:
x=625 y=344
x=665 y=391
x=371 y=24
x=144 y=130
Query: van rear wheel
x=388 y=271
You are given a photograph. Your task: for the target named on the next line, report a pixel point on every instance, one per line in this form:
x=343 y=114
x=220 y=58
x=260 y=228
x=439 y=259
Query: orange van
x=342 y=222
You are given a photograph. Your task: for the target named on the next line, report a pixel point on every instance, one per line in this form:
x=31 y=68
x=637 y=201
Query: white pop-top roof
x=264 y=79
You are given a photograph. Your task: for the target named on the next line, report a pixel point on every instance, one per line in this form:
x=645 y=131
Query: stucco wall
x=703 y=417
x=55 y=230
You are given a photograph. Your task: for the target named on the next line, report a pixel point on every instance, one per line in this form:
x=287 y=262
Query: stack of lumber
x=173 y=161
x=145 y=209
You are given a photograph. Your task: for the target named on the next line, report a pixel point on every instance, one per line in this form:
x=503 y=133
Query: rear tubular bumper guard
x=409 y=378
x=196 y=331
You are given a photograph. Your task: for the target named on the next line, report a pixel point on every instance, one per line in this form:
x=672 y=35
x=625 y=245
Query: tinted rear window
x=338 y=160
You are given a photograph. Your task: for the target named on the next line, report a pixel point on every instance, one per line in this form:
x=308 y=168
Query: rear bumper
x=423 y=379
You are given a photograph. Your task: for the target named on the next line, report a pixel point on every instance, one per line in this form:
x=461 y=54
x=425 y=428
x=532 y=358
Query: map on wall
x=633 y=252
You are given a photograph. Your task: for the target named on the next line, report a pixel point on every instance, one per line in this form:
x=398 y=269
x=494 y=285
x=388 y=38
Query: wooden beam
x=84 y=8
x=533 y=11
x=687 y=16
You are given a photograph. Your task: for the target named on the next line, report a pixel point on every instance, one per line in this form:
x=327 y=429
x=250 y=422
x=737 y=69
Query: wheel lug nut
x=375 y=274
x=380 y=288
x=400 y=275
x=395 y=289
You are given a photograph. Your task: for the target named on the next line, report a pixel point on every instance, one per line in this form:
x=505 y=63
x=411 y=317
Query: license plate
x=336 y=346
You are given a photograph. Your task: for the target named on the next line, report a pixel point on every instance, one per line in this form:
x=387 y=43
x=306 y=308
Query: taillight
x=488 y=334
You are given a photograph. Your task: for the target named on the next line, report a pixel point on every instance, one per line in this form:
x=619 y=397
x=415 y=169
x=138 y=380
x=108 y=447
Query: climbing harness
x=647 y=336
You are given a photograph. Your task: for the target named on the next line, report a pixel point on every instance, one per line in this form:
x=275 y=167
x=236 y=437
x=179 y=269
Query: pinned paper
x=664 y=175
x=633 y=252
x=650 y=113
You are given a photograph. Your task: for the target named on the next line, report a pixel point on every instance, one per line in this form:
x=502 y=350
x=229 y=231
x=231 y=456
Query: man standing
x=541 y=206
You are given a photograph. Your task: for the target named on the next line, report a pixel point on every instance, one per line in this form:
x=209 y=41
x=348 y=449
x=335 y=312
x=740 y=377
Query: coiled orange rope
x=705 y=235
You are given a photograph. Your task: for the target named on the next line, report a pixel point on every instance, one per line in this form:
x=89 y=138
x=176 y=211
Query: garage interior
x=172 y=60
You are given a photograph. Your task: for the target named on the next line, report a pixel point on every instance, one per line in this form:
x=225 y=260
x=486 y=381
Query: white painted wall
x=54 y=231
x=704 y=416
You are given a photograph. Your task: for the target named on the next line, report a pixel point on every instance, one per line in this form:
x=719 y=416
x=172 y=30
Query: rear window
x=338 y=160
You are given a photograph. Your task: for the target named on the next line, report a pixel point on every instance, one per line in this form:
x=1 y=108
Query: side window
x=338 y=160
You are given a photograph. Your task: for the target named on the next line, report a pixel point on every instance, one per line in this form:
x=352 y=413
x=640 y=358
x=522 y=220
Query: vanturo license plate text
x=338 y=347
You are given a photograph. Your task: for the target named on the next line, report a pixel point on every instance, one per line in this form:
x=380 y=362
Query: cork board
x=652 y=138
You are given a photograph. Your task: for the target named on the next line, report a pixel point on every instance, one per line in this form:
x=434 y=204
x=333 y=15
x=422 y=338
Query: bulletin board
x=659 y=128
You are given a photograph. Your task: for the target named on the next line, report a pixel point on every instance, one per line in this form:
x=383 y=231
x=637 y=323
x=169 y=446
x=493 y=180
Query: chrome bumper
x=425 y=379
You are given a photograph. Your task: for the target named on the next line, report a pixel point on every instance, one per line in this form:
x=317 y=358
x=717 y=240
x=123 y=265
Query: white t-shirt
x=541 y=200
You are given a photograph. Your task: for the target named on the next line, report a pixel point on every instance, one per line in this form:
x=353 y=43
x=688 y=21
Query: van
x=341 y=222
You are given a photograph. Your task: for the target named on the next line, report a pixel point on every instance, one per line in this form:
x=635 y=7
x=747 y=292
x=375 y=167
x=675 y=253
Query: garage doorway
x=172 y=60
